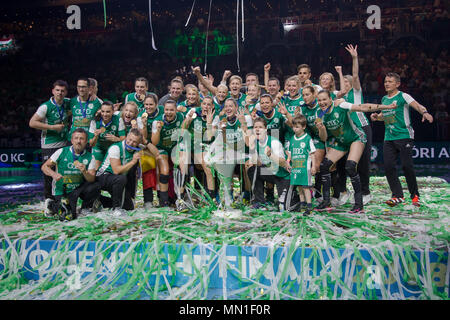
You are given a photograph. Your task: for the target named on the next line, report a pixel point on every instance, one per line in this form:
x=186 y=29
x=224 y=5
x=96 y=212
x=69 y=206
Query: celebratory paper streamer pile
x=161 y=254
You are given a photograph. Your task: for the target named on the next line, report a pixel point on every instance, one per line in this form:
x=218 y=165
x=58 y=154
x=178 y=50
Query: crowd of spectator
x=412 y=41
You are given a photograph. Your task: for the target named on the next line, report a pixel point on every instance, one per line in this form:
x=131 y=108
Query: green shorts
x=343 y=146
x=319 y=144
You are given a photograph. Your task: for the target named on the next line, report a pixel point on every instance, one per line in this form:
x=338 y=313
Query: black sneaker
x=357 y=209
x=324 y=205
x=307 y=212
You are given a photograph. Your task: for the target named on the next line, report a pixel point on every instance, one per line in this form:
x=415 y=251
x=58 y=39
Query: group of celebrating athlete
x=270 y=138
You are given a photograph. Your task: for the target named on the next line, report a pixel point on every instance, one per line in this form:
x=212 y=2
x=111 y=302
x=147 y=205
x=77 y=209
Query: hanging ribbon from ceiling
x=190 y=14
x=150 y=19
x=207 y=33
x=104 y=11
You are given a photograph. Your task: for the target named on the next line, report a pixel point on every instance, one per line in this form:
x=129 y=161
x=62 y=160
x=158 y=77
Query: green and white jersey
x=197 y=129
x=301 y=150
x=72 y=177
x=277 y=149
x=218 y=106
x=157 y=116
x=115 y=151
x=134 y=97
x=240 y=100
x=52 y=113
x=254 y=105
x=398 y=121
x=188 y=107
x=275 y=124
x=115 y=127
x=83 y=113
x=310 y=113
x=234 y=135
x=128 y=126
x=169 y=134
x=340 y=125
x=292 y=104
x=355 y=97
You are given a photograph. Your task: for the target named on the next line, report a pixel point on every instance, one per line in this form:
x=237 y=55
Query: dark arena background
x=239 y=250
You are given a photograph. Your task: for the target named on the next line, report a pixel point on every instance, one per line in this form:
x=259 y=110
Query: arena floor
x=381 y=230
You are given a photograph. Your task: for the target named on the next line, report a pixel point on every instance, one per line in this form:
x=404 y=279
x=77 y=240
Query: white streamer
x=150 y=19
x=237 y=36
x=190 y=14
x=242 y=19
x=207 y=33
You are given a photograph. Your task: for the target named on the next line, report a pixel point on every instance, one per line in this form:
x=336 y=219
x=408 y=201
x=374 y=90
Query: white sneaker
x=47 y=211
x=85 y=212
x=343 y=198
x=148 y=205
x=118 y=212
x=367 y=198
x=335 y=202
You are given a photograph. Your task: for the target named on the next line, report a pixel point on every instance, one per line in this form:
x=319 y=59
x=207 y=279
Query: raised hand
x=338 y=69
x=209 y=116
x=267 y=67
x=196 y=70
x=282 y=108
x=226 y=74
x=352 y=50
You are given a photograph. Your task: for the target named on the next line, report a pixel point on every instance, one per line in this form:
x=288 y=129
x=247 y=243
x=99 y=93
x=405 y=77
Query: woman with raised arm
x=351 y=91
x=337 y=129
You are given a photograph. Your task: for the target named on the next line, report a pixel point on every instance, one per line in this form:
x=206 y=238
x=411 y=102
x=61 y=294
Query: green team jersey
x=340 y=125
x=356 y=97
x=133 y=97
x=115 y=151
x=168 y=137
x=52 y=113
x=83 y=113
x=240 y=100
x=234 y=135
x=197 y=129
x=72 y=177
x=254 y=105
x=276 y=124
x=292 y=104
x=310 y=113
x=397 y=121
x=277 y=149
x=218 y=106
x=188 y=107
x=114 y=127
x=301 y=149
x=156 y=116
x=333 y=95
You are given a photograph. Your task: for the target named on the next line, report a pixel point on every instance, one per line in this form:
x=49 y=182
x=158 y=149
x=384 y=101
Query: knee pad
x=351 y=168
x=325 y=166
x=164 y=178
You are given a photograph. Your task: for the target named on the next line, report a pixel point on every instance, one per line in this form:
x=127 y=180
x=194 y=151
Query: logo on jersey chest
x=88 y=110
x=233 y=136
